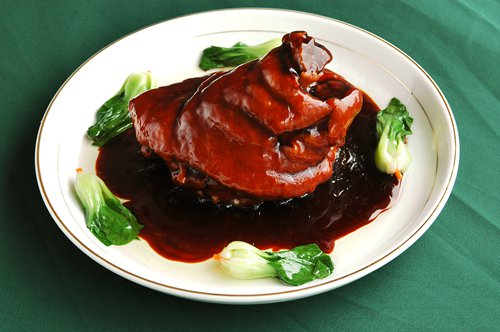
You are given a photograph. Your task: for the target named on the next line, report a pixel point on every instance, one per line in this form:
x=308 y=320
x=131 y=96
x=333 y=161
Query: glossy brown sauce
x=180 y=227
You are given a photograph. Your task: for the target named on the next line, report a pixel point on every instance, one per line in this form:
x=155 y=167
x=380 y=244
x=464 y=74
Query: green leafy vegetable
x=392 y=155
x=105 y=216
x=220 y=57
x=113 y=117
x=295 y=267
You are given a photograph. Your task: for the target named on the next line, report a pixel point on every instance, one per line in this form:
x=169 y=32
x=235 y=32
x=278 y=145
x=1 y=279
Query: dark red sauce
x=180 y=227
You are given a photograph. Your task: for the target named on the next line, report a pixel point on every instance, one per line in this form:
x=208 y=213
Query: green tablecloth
x=448 y=280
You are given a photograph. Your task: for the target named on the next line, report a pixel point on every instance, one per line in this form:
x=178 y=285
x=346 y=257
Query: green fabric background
x=448 y=280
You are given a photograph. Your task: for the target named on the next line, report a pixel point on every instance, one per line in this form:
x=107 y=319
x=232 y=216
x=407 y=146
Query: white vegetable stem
x=244 y=261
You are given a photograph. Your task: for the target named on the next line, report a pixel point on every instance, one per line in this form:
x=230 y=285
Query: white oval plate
x=171 y=50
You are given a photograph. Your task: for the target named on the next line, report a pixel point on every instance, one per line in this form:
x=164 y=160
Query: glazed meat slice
x=266 y=130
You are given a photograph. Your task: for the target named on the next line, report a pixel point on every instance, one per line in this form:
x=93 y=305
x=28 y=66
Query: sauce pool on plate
x=178 y=226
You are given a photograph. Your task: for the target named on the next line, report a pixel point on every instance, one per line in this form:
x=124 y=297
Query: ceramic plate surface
x=171 y=50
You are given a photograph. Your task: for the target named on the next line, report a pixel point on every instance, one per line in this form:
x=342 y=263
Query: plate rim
x=271 y=296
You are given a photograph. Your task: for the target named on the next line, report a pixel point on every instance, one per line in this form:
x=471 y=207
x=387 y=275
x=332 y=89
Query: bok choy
x=113 y=118
x=105 y=215
x=294 y=267
x=220 y=57
x=392 y=155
